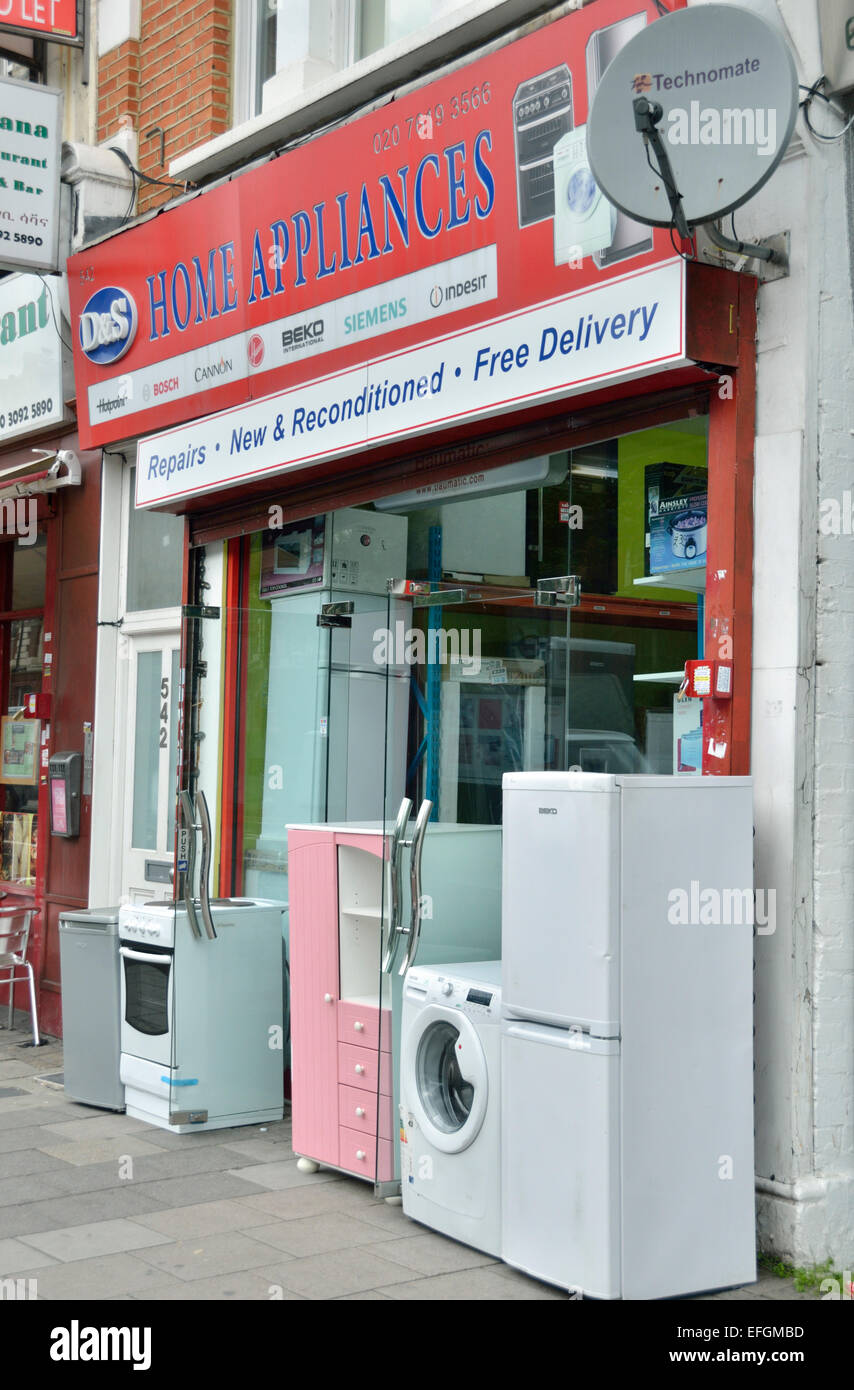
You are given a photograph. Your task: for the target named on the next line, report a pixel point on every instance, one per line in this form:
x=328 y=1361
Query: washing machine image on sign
x=450 y=1090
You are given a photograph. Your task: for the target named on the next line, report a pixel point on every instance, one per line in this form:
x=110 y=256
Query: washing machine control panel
x=477 y=1001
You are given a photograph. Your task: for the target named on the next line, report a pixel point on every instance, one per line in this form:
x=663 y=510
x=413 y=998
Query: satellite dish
x=712 y=92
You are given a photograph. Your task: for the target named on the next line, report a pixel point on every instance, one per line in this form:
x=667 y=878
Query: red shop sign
x=50 y=18
x=464 y=203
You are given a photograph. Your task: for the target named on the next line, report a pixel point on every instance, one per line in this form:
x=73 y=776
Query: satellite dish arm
x=647 y=116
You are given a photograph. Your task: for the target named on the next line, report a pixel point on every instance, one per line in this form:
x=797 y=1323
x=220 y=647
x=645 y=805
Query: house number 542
x=164 y=711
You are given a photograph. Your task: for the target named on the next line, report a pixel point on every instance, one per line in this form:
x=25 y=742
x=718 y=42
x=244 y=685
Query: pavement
x=99 y=1206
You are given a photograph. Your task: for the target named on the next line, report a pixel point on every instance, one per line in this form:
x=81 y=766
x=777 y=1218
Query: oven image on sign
x=542 y=113
x=629 y=238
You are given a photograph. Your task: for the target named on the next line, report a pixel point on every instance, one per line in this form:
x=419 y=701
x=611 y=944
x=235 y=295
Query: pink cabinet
x=340 y=1036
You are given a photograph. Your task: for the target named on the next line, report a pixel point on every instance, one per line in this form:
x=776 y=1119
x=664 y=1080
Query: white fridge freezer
x=627 y=1107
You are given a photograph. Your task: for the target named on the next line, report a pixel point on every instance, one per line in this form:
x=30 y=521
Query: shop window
x=488 y=681
x=155 y=562
x=21 y=663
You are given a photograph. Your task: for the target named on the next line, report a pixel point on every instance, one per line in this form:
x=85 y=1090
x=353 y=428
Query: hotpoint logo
x=108 y=325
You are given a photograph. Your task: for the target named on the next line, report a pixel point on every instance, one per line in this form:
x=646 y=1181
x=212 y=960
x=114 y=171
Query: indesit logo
x=108 y=325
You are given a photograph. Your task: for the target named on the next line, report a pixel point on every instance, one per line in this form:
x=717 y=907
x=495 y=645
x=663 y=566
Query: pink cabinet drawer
x=358 y=1110
x=360 y=1024
x=358 y=1154
x=357 y=1066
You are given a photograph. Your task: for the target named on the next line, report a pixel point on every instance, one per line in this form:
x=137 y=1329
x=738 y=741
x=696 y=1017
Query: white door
x=150 y=762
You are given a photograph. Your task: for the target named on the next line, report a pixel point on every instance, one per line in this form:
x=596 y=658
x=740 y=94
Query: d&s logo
x=108 y=325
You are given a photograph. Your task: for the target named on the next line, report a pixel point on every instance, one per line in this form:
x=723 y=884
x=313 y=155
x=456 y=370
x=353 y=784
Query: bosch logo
x=108 y=325
x=436 y=296
x=163 y=388
x=547 y=810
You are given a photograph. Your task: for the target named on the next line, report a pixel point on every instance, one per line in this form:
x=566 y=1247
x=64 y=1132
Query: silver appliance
x=629 y=238
x=542 y=113
x=91 y=1002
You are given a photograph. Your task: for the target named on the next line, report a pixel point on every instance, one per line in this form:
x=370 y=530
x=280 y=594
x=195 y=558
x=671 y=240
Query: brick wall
x=175 y=76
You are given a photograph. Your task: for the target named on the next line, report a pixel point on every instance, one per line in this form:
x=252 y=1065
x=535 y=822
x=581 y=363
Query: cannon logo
x=108 y=325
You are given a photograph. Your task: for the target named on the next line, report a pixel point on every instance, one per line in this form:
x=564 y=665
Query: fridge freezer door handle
x=417 y=843
x=395 y=865
x=205 y=866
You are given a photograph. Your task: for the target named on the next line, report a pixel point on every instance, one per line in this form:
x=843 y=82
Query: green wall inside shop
x=634 y=453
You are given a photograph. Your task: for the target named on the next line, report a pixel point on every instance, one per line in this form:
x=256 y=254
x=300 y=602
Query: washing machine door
x=446 y=1080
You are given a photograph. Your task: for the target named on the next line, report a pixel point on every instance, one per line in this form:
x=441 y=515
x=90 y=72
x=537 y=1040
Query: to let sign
x=52 y=19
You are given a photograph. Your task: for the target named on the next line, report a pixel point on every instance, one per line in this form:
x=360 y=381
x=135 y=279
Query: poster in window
x=19 y=746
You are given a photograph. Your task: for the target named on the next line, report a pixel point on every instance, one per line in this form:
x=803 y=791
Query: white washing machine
x=450 y=1096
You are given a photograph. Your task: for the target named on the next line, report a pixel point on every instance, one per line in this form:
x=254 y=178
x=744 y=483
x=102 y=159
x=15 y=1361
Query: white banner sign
x=627 y=328
x=30 y=145
x=30 y=355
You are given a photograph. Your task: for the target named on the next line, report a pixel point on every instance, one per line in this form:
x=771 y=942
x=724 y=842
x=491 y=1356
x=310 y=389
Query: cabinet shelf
x=374 y=912
x=691 y=580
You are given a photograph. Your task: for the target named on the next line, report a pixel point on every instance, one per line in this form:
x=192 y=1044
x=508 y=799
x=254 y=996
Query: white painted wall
x=803 y=693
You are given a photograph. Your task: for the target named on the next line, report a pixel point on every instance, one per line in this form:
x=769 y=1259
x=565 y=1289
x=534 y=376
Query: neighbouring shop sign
x=459 y=205
x=30 y=145
x=625 y=328
x=50 y=19
x=31 y=393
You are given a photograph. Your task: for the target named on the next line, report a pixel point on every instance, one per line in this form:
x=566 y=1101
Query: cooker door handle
x=145 y=956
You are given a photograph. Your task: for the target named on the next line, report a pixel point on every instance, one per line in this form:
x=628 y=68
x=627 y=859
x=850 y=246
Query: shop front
x=465 y=476
x=49 y=527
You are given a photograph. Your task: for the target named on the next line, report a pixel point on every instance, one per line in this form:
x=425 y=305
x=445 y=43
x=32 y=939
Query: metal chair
x=14 y=936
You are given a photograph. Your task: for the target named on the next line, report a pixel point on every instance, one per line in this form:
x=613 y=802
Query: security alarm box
x=64 y=772
x=704 y=679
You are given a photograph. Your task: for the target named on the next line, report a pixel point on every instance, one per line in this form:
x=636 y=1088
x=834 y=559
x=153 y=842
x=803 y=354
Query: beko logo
x=302 y=335
x=548 y=810
x=108 y=325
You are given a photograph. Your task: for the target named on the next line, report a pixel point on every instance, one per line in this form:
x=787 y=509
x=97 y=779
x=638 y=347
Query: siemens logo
x=369 y=318
x=548 y=810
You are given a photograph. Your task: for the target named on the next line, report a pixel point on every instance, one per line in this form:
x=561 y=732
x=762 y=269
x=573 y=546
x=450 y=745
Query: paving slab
x=15 y=1256
x=99 y=1150
x=54 y=1213
x=315 y=1235
x=105 y=1277
x=95 y=1239
x=472 y=1285
x=339 y=1272
x=185 y=1192
x=204 y=1219
x=275 y=1176
x=204 y=1257
x=315 y=1200
x=430 y=1253
x=242 y=1285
